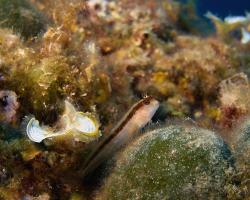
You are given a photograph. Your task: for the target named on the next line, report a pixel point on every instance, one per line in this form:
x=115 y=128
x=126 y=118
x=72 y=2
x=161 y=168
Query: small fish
x=135 y=119
x=83 y=126
x=229 y=19
x=245 y=36
x=235 y=19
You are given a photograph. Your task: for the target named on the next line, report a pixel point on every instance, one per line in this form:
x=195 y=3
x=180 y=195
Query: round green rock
x=242 y=145
x=22 y=17
x=241 y=151
x=173 y=162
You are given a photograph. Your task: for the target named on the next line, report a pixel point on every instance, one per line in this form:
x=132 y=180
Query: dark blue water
x=223 y=8
x=220 y=8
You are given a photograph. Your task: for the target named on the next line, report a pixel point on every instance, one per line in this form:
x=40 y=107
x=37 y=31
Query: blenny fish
x=126 y=129
x=245 y=36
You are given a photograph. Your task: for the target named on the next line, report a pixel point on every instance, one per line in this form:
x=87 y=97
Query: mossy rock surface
x=242 y=145
x=22 y=17
x=242 y=157
x=171 y=162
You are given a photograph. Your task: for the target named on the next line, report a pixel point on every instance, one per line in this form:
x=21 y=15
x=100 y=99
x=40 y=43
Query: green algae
x=241 y=150
x=62 y=65
x=22 y=17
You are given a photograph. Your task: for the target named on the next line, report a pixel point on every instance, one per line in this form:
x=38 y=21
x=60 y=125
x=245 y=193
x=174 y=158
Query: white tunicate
x=84 y=124
x=35 y=132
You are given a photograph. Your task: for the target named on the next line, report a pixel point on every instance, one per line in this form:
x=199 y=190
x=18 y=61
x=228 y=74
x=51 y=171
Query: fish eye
x=147 y=101
x=4 y=101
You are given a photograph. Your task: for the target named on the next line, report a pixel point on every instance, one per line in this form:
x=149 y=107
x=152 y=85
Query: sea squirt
x=83 y=126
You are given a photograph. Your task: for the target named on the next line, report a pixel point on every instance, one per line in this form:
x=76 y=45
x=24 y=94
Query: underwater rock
x=172 y=162
x=8 y=105
x=241 y=150
x=22 y=17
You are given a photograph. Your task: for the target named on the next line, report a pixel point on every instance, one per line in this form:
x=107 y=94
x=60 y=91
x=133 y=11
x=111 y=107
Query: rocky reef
x=104 y=55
